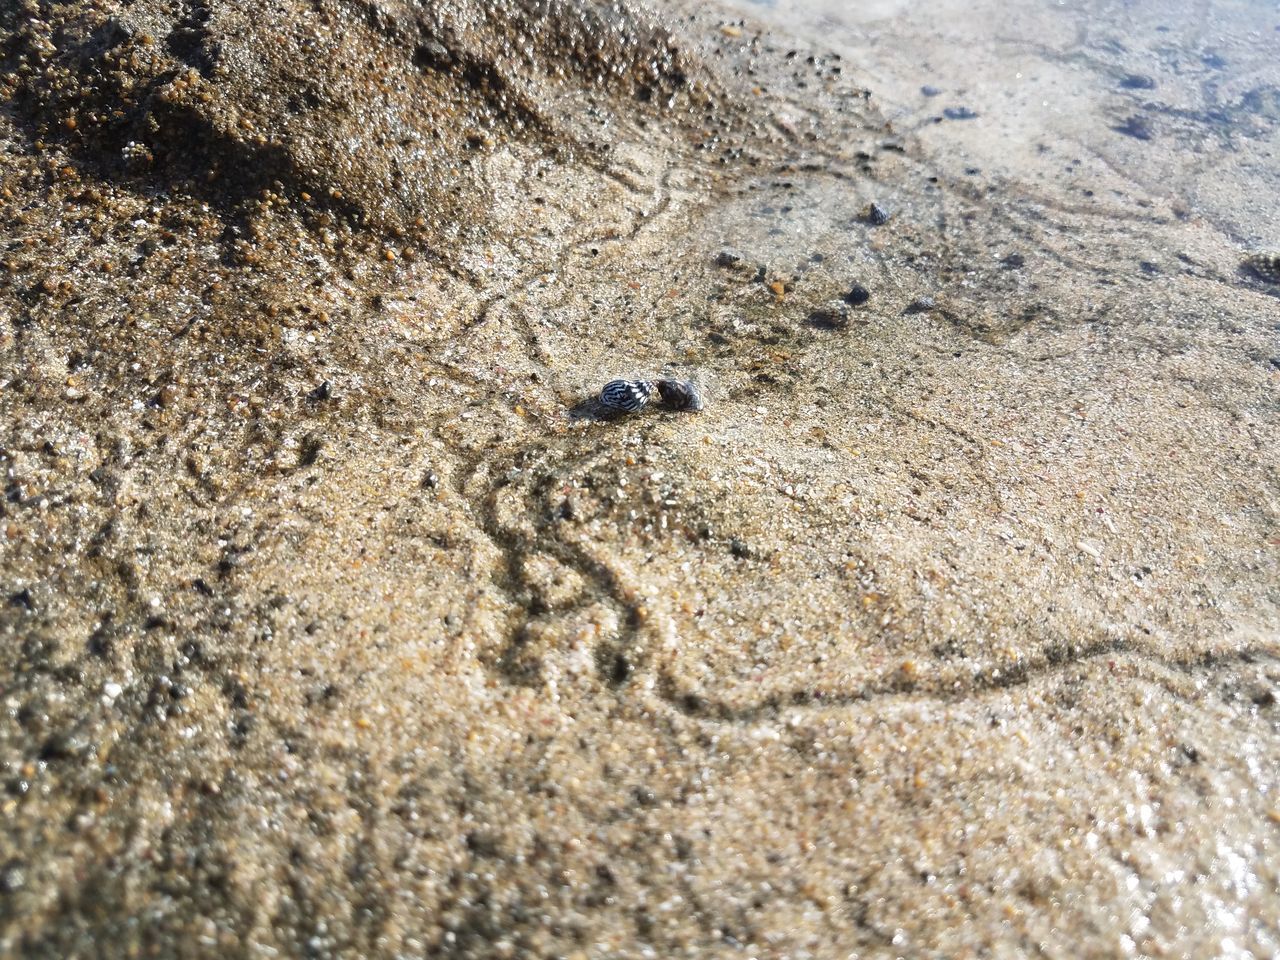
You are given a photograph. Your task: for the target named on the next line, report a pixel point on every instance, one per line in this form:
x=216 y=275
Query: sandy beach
x=339 y=619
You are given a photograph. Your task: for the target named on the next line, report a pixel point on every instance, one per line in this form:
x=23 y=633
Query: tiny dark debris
x=65 y=746
x=919 y=305
x=309 y=451
x=1135 y=127
x=959 y=113
x=619 y=669
x=483 y=844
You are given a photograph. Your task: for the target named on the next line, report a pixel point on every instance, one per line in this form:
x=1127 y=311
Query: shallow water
x=1177 y=101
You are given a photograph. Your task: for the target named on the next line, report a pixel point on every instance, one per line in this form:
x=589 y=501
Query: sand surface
x=339 y=622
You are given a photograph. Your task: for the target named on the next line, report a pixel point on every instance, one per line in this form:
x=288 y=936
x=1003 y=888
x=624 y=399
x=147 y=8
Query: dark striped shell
x=627 y=396
x=680 y=394
x=1264 y=266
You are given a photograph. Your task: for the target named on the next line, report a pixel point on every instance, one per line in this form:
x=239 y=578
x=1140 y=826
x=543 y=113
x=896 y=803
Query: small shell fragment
x=627 y=396
x=680 y=395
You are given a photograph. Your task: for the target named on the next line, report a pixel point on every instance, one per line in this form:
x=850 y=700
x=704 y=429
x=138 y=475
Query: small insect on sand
x=680 y=395
x=626 y=396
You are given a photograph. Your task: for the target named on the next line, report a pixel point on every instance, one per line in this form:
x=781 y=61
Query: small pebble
x=857 y=295
x=1137 y=81
x=432 y=54
x=12 y=877
x=929 y=90
x=959 y=113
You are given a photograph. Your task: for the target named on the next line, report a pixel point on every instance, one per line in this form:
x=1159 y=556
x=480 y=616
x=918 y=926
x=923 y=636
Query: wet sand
x=337 y=624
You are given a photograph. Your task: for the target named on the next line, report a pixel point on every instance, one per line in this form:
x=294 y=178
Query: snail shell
x=627 y=396
x=680 y=394
x=1264 y=266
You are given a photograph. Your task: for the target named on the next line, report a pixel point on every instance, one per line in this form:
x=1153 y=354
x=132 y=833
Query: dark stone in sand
x=1137 y=81
x=857 y=295
x=1135 y=127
